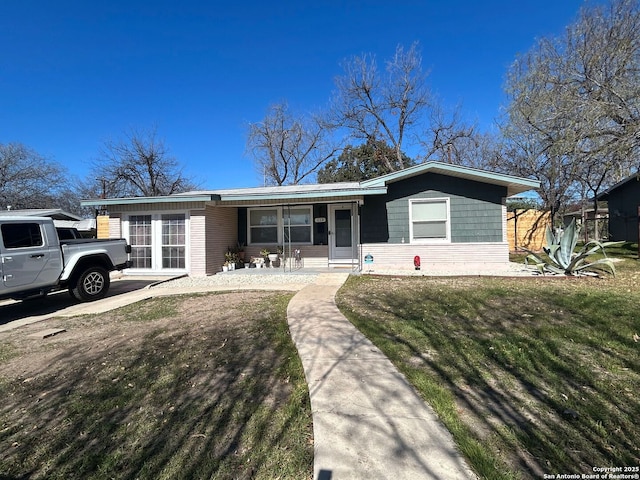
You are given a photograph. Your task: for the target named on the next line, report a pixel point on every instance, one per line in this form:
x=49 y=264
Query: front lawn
x=206 y=386
x=532 y=376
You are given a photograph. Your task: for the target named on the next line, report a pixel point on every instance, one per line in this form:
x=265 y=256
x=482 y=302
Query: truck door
x=27 y=258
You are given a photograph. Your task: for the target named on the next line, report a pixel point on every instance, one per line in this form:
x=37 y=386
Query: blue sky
x=76 y=73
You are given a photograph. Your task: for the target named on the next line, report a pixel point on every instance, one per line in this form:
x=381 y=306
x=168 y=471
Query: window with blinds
x=429 y=220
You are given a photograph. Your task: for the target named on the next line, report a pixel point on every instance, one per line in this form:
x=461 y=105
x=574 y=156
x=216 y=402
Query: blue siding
x=476 y=209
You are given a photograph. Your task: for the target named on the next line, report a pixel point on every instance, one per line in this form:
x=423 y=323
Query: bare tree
x=448 y=138
x=28 y=180
x=139 y=165
x=573 y=119
x=289 y=149
x=537 y=133
x=537 y=144
x=376 y=106
x=603 y=77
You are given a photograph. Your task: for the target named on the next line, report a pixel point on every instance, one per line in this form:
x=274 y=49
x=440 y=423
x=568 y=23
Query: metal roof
x=178 y=198
x=294 y=192
x=330 y=191
x=605 y=195
x=55 y=213
x=515 y=185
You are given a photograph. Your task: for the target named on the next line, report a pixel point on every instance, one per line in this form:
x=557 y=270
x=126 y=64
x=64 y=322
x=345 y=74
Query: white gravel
x=277 y=277
x=240 y=279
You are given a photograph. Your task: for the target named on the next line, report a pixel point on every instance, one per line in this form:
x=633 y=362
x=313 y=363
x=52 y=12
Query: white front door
x=342 y=241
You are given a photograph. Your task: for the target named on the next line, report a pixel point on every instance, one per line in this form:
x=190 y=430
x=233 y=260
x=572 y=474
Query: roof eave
x=515 y=185
x=515 y=189
x=605 y=195
x=138 y=200
x=302 y=195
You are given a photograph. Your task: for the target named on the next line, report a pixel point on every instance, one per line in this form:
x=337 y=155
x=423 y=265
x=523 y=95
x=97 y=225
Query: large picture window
x=429 y=220
x=275 y=225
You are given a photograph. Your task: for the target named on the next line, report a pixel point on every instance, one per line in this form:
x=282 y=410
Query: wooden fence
x=526 y=229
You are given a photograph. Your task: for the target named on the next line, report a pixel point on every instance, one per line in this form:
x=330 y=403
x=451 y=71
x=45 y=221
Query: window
x=21 y=235
x=173 y=241
x=276 y=225
x=158 y=241
x=429 y=220
x=263 y=226
x=297 y=225
x=140 y=240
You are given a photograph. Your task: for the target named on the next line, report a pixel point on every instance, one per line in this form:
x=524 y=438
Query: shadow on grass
x=543 y=374
x=367 y=418
x=213 y=392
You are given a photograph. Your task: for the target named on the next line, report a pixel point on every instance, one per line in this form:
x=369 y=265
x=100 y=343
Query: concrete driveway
x=14 y=314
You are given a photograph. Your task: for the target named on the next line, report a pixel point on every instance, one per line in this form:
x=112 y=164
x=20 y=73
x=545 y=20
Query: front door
x=341 y=233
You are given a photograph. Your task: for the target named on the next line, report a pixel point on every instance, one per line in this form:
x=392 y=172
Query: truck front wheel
x=92 y=284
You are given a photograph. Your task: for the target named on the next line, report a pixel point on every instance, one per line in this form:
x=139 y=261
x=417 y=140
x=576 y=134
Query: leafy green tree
x=523 y=203
x=363 y=162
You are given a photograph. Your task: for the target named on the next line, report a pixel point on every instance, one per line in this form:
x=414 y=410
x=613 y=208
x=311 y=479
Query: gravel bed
x=240 y=279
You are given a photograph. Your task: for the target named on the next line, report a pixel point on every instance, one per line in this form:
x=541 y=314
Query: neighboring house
x=623 y=201
x=61 y=219
x=593 y=225
x=446 y=214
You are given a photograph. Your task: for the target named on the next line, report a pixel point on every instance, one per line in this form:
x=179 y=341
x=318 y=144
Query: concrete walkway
x=368 y=422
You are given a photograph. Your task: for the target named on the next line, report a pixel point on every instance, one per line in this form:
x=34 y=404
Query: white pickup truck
x=34 y=261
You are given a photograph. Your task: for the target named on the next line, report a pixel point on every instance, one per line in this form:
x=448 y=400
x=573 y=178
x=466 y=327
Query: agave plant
x=563 y=258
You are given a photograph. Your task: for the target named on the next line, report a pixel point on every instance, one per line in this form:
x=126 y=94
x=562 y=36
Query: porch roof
x=191 y=197
x=329 y=191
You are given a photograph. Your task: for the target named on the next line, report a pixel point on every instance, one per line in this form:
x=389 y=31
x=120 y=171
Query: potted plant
x=273 y=257
x=240 y=251
x=231 y=258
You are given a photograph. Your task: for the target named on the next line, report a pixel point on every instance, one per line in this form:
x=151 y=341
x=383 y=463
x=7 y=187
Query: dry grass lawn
x=203 y=386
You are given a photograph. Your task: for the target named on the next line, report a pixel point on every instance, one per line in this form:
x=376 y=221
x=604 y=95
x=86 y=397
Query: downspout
x=357 y=243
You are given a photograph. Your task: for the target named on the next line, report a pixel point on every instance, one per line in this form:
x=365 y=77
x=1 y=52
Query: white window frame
x=447 y=220
x=128 y=236
x=277 y=225
x=156 y=240
x=173 y=237
x=280 y=224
